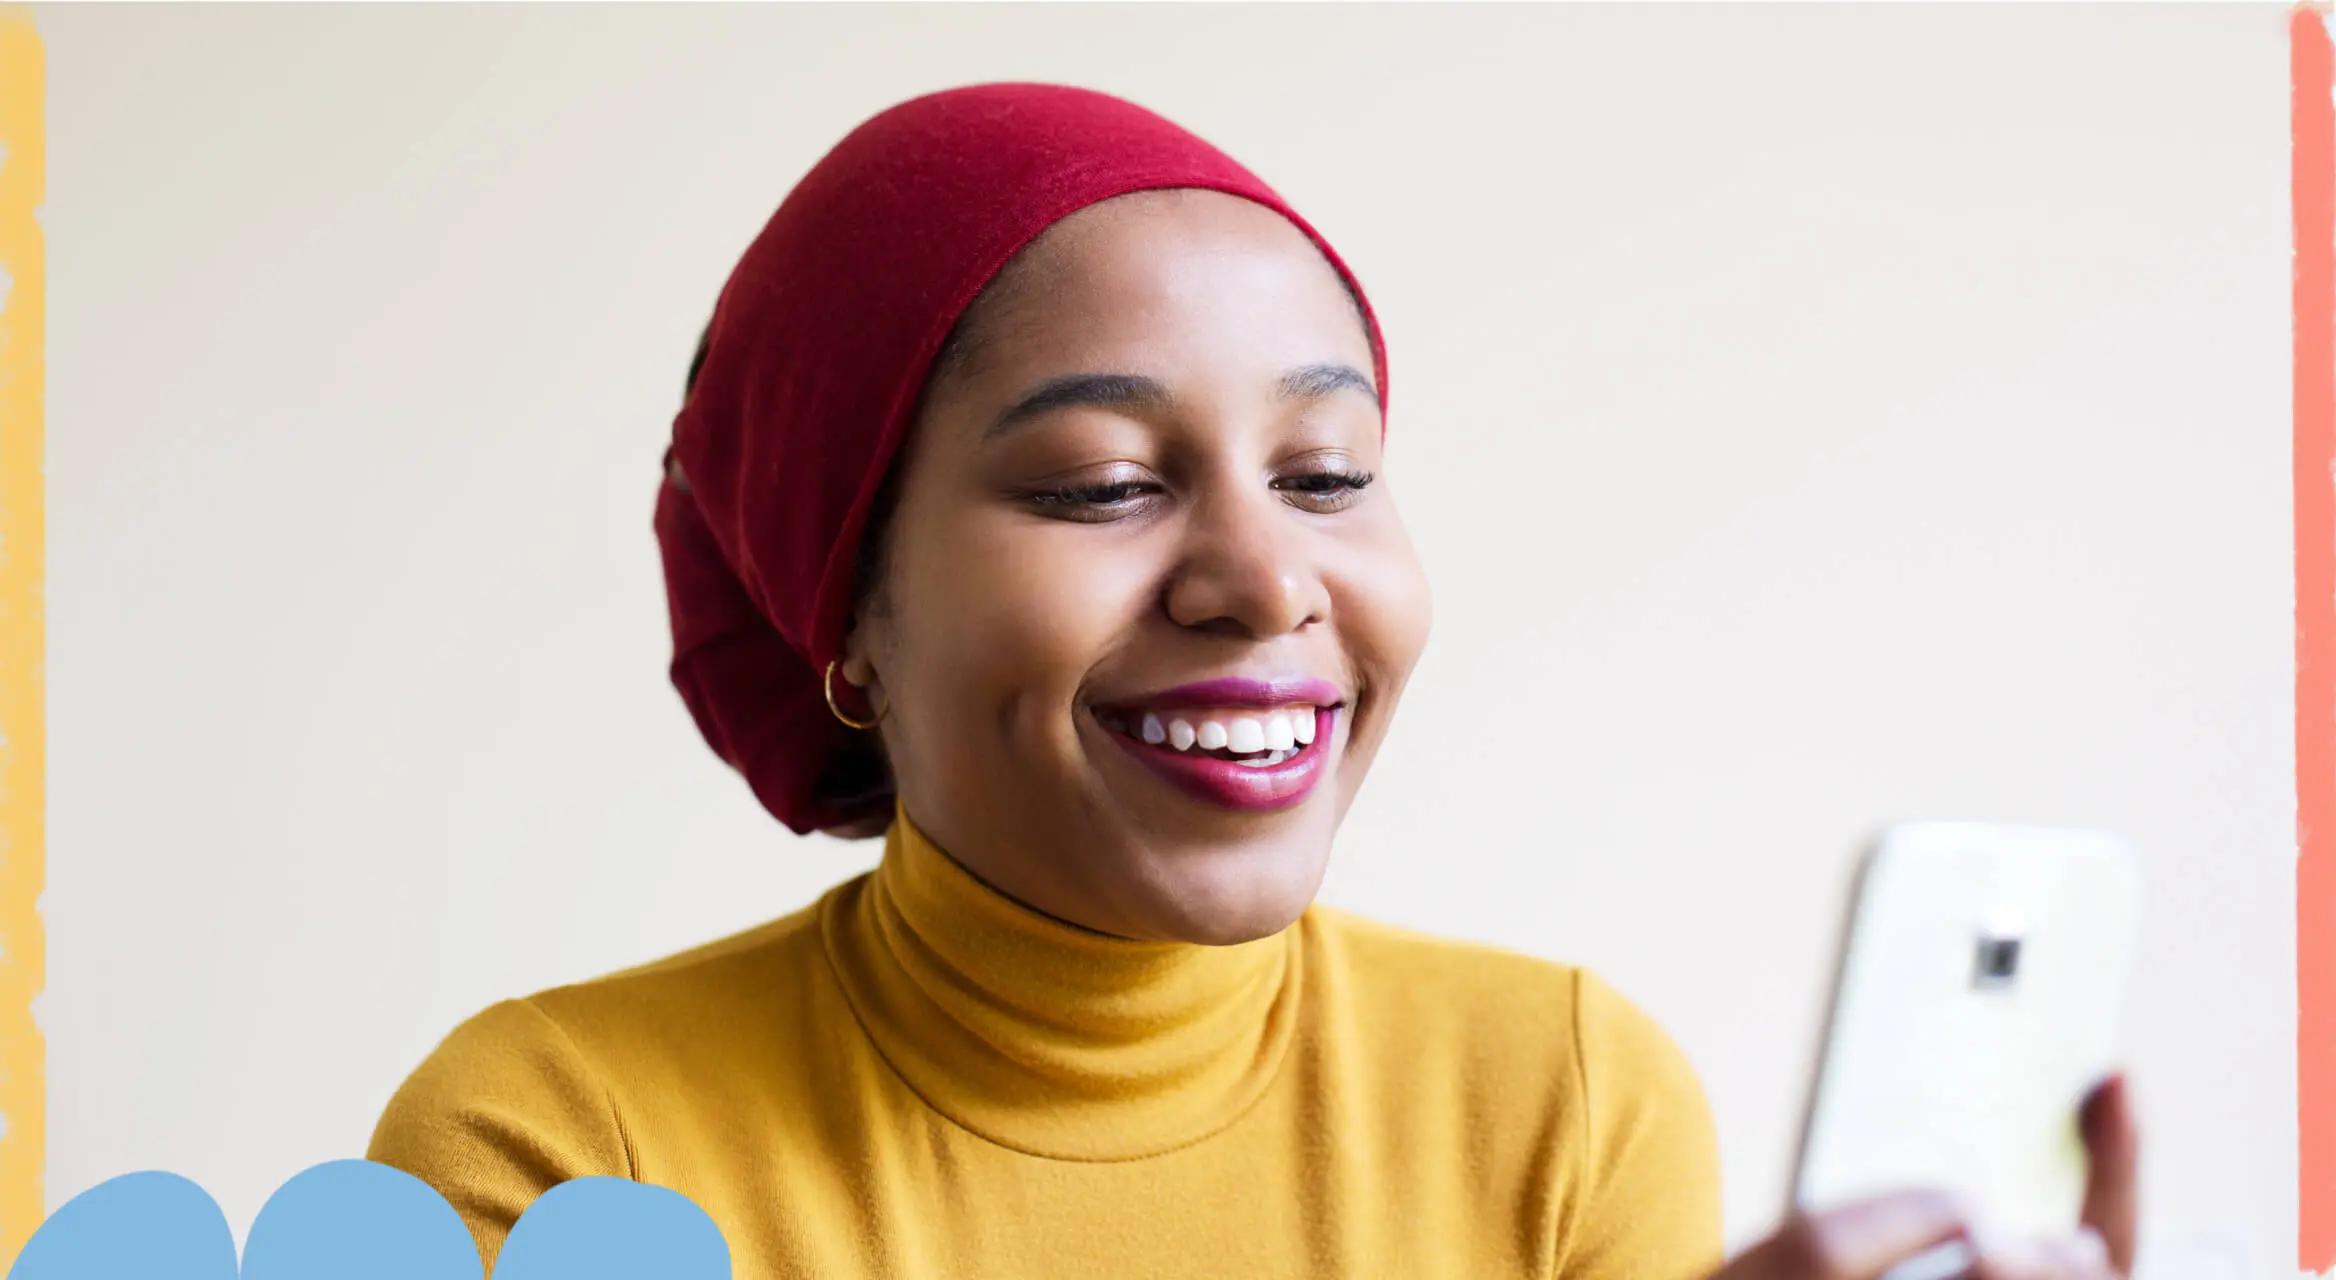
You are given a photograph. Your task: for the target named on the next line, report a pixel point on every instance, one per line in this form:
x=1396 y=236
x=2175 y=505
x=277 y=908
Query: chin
x=1238 y=895
x=1265 y=921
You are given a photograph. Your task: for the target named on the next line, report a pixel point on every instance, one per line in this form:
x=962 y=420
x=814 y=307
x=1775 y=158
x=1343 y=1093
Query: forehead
x=1157 y=271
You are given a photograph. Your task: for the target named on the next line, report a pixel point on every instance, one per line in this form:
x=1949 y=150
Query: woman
x=1028 y=508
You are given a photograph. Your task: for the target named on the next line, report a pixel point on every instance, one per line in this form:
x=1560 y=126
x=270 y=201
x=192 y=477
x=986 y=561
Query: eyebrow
x=1135 y=391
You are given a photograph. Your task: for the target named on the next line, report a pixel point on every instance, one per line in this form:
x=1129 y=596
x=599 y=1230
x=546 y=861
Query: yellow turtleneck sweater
x=917 y=1076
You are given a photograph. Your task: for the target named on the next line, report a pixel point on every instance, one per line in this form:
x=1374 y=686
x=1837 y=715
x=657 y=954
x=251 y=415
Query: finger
x=1858 y=1241
x=2096 y=1250
x=2112 y=1182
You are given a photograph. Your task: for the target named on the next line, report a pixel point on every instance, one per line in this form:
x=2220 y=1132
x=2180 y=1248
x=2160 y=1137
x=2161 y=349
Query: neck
x=1046 y=1036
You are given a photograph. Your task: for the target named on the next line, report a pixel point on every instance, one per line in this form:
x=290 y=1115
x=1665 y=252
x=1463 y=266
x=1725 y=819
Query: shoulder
x=1494 y=997
x=1621 y=1129
x=1649 y=1174
x=682 y=1025
x=507 y=1058
x=1565 y=1007
x=1566 y=1015
x=535 y=1090
x=752 y=970
x=1628 y=1061
x=502 y=1110
x=549 y=1057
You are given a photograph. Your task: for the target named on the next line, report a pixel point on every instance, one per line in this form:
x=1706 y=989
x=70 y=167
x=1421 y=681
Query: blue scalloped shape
x=359 y=1220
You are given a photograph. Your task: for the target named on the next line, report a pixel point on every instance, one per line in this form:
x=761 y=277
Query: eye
x=1094 y=502
x=1326 y=490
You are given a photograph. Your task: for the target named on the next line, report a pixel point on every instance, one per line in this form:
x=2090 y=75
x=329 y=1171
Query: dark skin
x=1094 y=552
x=1217 y=525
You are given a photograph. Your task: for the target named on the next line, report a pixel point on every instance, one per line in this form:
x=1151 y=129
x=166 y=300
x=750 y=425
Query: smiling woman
x=1028 y=508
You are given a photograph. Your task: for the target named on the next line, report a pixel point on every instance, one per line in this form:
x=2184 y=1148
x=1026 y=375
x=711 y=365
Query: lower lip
x=1238 y=786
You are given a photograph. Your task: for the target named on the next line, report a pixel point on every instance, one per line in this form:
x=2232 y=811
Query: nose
x=1247 y=567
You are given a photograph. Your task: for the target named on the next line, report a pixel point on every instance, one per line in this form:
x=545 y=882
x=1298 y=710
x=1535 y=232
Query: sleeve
x=504 y=1109
x=1649 y=1175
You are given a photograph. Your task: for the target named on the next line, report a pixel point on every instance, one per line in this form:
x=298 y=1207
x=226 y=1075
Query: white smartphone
x=1978 y=998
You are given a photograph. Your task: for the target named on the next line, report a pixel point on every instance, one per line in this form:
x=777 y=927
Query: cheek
x=1007 y=617
x=1380 y=592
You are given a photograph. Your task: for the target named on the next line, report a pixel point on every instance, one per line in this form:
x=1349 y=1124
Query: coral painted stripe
x=2313 y=134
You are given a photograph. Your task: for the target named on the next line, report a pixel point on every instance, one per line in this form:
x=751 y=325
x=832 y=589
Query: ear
x=857 y=667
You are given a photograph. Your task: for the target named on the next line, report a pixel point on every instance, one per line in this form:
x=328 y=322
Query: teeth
x=1269 y=760
x=1245 y=734
x=1279 y=735
x=1281 y=732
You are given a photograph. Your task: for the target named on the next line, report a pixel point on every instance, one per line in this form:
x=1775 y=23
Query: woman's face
x=1151 y=506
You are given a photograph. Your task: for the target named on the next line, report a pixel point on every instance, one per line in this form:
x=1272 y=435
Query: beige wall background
x=1810 y=417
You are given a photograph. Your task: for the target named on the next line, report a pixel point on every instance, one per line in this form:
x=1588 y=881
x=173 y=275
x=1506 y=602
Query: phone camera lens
x=1999 y=959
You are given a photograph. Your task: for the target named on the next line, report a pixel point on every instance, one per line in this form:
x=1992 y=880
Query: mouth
x=1266 y=752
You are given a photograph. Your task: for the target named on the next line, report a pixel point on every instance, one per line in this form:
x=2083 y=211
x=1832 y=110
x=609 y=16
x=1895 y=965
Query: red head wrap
x=814 y=363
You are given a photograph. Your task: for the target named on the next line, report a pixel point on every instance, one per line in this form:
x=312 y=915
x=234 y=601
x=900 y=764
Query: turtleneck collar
x=1046 y=1037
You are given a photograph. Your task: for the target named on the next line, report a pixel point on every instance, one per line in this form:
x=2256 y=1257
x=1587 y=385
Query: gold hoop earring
x=828 y=684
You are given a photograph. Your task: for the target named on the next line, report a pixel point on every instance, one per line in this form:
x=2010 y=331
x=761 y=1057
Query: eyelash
x=1344 y=485
x=1352 y=481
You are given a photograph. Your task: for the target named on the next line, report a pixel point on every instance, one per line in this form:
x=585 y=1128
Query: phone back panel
x=1979 y=997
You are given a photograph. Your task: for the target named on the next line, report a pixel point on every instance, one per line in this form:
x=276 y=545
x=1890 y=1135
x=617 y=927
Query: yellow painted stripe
x=22 y=793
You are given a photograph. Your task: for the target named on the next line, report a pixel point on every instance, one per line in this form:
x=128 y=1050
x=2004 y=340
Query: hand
x=1862 y=1241
x=2113 y=1183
